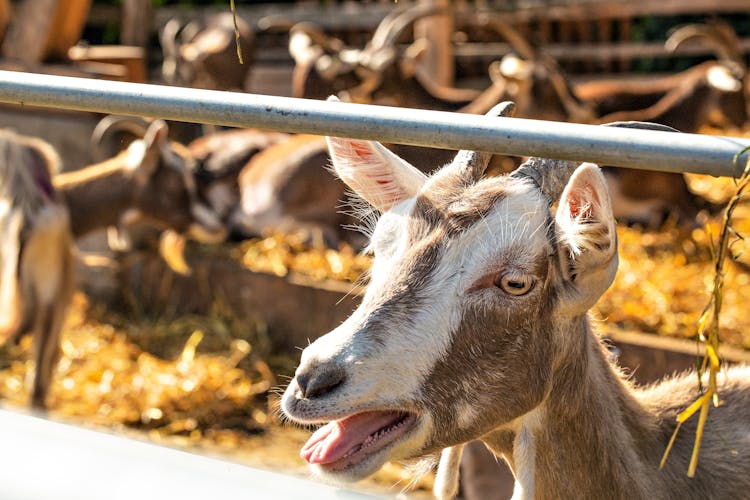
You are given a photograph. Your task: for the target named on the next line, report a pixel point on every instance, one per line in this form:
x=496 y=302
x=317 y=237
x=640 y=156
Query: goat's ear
x=374 y=172
x=587 y=239
x=154 y=142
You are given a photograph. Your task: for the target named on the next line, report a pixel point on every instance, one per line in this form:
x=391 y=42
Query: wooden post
x=45 y=29
x=4 y=17
x=438 y=61
x=136 y=23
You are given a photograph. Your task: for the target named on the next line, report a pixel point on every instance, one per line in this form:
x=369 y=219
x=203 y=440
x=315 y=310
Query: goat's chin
x=350 y=474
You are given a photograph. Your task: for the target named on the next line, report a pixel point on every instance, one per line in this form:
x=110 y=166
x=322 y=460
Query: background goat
x=204 y=55
x=475 y=326
x=685 y=101
x=287 y=187
x=36 y=270
x=41 y=214
x=216 y=159
x=380 y=73
x=152 y=180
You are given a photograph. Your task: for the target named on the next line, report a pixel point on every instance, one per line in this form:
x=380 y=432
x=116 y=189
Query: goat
x=41 y=214
x=545 y=91
x=152 y=180
x=685 y=101
x=36 y=269
x=216 y=159
x=221 y=157
x=474 y=326
x=381 y=73
x=205 y=56
x=378 y=74
x=287 y=188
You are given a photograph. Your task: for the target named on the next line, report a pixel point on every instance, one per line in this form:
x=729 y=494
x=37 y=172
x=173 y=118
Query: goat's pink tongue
x=335 y=439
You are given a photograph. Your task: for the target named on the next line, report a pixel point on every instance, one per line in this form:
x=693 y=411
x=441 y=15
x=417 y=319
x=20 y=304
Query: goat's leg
x=484 y=476
x=46 y=355
x=46 y=275
x=47 y=338
x=446 y=478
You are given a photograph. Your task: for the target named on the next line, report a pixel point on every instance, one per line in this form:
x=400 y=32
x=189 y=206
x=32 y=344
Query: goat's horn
x=168 y=36
x=524 y=47
x=718 y=35
x=109 y=125
x=397 y=21
x=551 y=176
x=384 y=26
x=641 y=125
x=472 y=164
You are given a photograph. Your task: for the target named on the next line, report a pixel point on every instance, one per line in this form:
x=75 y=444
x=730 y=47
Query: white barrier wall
x=45 y=460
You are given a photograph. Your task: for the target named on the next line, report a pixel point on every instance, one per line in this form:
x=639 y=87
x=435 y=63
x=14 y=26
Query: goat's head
x=462 y=325
x=325 y=65
x=204 y=55
x=535 y=80
x=166 y=193
x=729 y=77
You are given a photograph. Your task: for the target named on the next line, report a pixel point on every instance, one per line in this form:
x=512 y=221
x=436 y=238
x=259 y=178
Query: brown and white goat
x=216 y=159
x=475 y=326
x=685 y=101
x=152 y=180
x=36 y=269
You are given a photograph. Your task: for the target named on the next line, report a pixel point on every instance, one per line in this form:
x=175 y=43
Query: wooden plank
x=130 y=58
x=600 y=51
x=365 y=16
x=650 y=357
x=437 y=63
x=4 y=17
x=136 y=27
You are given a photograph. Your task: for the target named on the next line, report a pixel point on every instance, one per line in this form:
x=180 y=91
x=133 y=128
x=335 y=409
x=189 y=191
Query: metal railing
x=651 y=150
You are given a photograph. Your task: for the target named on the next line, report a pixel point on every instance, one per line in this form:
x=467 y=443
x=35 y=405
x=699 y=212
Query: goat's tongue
x=336 y=439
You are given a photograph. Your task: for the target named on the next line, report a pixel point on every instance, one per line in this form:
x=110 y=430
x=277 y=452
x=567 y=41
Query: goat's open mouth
x=349 y=441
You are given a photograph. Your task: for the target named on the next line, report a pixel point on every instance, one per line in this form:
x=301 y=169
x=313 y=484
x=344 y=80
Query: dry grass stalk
x=708 y=325
x=236 y=31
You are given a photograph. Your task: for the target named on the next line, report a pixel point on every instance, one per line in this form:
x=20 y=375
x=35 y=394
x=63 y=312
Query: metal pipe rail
x=45 y=460
x=651 y=150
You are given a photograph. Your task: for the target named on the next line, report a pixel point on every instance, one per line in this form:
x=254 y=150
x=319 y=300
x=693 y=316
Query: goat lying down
x=475 y=326
x=36 y=269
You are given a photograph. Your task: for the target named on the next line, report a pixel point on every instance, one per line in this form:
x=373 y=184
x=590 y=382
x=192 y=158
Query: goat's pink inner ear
x=585 y=194
x=583 y=208
x=361 y=150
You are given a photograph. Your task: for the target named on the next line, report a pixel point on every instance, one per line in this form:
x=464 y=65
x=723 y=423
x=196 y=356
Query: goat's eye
x=514 y=284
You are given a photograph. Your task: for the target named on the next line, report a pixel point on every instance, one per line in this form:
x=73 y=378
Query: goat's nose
x=318 y=380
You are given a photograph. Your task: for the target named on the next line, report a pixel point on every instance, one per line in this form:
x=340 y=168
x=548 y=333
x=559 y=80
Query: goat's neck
x=590 y=436
x=97 y=196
